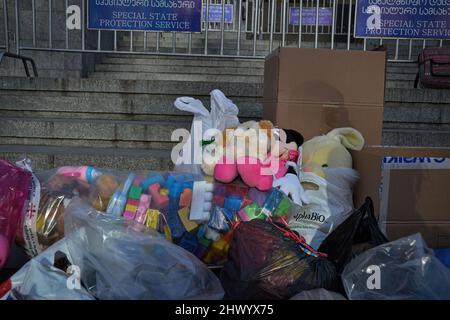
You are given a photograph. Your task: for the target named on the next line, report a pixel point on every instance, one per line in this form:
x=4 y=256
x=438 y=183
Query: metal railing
x=24 y=60
x=257 y=28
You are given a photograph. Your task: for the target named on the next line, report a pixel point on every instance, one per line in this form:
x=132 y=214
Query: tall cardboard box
x=316 y=90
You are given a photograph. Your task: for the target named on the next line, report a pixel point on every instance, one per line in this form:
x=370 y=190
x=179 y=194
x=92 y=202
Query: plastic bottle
x=83 y=173
x=272 y=201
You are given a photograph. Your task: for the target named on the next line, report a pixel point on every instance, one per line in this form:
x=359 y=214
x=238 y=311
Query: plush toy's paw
x=290 y=185
x=225 y=170
x=254 y=173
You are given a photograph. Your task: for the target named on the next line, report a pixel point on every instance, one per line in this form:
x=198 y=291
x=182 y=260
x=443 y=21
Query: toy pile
x=274 y=216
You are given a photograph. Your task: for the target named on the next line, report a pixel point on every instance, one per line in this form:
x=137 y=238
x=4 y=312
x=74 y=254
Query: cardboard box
x=316 y=90
x=409 y=198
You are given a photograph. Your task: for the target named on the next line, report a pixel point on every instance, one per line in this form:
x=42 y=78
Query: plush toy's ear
x=350 y=138
x=294 y=136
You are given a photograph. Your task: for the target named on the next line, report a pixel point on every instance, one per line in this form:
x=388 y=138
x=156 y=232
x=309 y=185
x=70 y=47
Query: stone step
x=400 y=84
x=416 y=137
x=49 y=157
x=400 y=76
x=412 y=95
x=417 y=113
x=126 y=139
x=176 y=77
x=148 y=59
x=179 y=88
x=176 y=69
x=110 y=131
x=402 y=70
x=85 y=105
x=183 y=61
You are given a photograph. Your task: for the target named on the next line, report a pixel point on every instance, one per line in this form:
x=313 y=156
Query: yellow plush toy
x=327 y=178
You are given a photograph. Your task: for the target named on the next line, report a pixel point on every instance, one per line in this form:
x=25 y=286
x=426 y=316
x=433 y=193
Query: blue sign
x=160 y=15
x=404 y=19
x=309 y=16
x=215 y=13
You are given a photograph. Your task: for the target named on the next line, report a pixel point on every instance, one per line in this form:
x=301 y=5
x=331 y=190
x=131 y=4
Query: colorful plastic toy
x=184 y=216
x=202 y=248
x=173 y=219
x=159 y=201
x=250 y=212
x=232 y=204
x=144 y=205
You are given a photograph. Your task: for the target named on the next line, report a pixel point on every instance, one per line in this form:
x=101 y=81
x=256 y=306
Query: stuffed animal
x=106 y=186
x=289 y=151
x=327 y=178
x=259 y=163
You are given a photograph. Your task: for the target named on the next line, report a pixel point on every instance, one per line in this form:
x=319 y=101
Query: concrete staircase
x=123 y=124
x=122 y=116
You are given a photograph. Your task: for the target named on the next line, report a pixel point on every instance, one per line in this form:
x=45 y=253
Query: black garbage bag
x=265 y=263
x=358 y=233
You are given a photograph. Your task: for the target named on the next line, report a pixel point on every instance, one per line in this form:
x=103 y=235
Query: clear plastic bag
x=121 y=259
x=318 y=294
x=132 y=195
x=398 y=270
x=14 y=188
x=40 y=279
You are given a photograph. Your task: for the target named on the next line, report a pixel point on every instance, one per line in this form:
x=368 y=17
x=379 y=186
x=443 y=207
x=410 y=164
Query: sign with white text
x=403 y=19
x=145 y=15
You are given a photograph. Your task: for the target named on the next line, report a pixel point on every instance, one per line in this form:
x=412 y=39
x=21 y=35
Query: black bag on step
x=355 y=235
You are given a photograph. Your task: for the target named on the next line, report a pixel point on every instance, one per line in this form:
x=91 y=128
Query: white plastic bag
x=329 y=205
x=122 y=259
x=223 y=115
x=38 y=279
x=398 y=270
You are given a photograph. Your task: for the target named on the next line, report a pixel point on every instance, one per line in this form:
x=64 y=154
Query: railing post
x=222 y=27
x=300 y=22
x=16 y=10
x=316 y=36
x=5 y=17
x=255 y=25
x=333 y=26
x=349 y=31
x=283 y=25
x=206 y=26
x=239 y=28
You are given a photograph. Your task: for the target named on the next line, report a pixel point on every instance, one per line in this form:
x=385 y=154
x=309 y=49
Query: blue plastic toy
x=443 y=255
x=231 y=205
x=175 y=224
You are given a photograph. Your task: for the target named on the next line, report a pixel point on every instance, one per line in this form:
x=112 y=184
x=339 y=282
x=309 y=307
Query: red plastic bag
x=14 y=186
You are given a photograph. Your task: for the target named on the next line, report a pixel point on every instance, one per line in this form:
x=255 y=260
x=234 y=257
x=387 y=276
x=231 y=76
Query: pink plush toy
x=260 y=173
